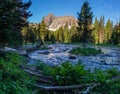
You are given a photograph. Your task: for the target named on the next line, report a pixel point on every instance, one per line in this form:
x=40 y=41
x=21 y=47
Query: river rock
x=72 y=56
x=23 y=52
x=44 y=52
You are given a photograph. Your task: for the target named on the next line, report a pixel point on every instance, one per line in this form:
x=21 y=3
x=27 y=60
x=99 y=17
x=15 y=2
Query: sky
x=41 y=8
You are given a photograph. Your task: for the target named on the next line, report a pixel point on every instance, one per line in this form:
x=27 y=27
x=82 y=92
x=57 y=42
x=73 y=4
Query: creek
x=59 y=53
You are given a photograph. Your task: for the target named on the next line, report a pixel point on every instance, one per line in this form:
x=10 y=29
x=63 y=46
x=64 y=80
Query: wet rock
x=72 y=56
x=113 y=54
x=23 y=52
x=57 y=50
x=103 y=61
x=44 y=52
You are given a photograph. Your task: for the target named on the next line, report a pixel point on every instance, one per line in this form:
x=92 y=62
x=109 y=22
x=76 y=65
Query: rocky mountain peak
x=49 y=19
x=54 y=22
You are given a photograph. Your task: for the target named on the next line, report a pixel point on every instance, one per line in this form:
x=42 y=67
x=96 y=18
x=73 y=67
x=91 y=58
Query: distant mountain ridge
x=55 y=23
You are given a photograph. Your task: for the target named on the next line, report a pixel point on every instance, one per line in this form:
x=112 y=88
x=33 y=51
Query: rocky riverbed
x=60 y=53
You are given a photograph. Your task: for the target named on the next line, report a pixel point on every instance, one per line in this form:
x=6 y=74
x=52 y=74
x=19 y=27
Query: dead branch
x=113 y=79
x=38 y=75
x=90 y=88
x=41 y=80
x=56 y=88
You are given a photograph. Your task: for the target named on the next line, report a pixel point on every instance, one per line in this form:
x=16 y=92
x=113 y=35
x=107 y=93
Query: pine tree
x=13 y=16
x=101 y=30
x=29 y=34
x=38 y=33
x=108 y=31
x=85 y=22
x=73 y=34
x=47 y=35
x=43 y=30
x=95 y=31
x=24 y=34
x=115 y=37
x=66 y=34
x=52 y=37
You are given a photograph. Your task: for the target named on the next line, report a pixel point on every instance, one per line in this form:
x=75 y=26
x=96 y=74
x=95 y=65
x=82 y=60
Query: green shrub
x=66 y=73
x=69 y=74
x=106 y=85
x=47 y=70
x=13 y=80
x=85 y=51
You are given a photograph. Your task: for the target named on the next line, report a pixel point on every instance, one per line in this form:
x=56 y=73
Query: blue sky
x=40 y=8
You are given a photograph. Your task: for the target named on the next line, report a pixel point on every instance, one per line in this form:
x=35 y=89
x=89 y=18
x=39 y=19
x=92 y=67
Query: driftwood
x=33 y=69
x=57 y=88
x=41 y=80
x=73 y=87
x=38 y=75
x=114 y=79
x=95 y=85
x=87 y=91
x=20 y=52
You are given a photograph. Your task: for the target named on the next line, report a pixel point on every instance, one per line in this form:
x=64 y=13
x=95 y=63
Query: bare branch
x=56 y=88
x=38 y=75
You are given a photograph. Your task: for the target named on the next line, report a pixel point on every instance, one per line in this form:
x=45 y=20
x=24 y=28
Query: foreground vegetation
x=15 y=80
x=12 y=78
x=66 y=74
x=85 y=51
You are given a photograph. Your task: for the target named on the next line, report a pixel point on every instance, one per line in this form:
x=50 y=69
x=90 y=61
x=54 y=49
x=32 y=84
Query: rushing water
x=60 y=53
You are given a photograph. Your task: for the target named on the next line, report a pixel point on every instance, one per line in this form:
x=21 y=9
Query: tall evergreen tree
x=24 y=33
x=13 y=16
x=38 y=33
x=59 y=35
x=101 y=30
x=73 y=34
x=52 y=37
x=95 y=31
x=85 y=22
x=66 y=34
x=47 y=35
x=43 y=30
x=29 y=34
x=115 y=37
x=108 y=31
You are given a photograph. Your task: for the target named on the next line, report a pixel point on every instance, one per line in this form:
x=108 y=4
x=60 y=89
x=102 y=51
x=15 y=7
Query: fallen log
x=113 y=79
x=38 y=75
x=87 y=91
x=57 y=88
x=32 y=69
x=20 y=52
x=10 y=49
x=41 y=80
